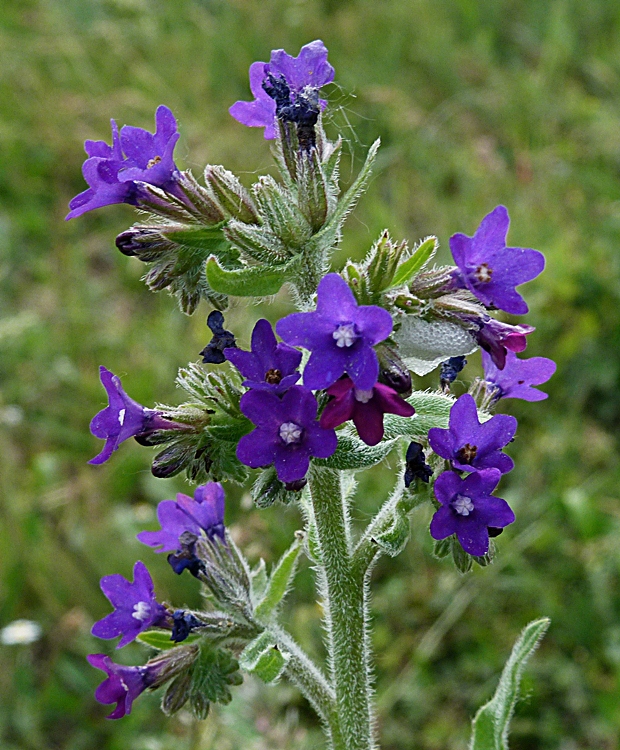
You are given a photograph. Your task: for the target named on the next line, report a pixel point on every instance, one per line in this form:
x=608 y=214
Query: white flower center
x=462 y=505
x=484 y=274
x=363 y=396
x=345 y=335
x=141 y=611
x=121 y=416
x=290 y=432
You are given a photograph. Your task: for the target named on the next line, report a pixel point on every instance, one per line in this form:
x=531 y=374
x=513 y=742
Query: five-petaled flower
x=365 y=408
x=518 y=376
x=123 y=418
x=135 y=607
x=309 y=70
x=287 y=433
x=270 y=366
x=123 y=684
x=113 y=173
x=472 y=446
x=203 y=512
x=340 y=334
x=468 y=509
x=489 y=269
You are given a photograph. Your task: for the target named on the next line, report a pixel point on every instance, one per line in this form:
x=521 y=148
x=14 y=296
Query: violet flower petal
x=518 y=376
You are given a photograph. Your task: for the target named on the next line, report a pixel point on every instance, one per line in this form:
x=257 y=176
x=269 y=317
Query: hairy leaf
x=252 y=281
x=263 y=658
x=421 y=256
x=279 y=582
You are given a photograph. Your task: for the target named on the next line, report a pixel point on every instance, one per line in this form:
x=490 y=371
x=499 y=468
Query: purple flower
x=468 y=509
x=113 y=176
x=518 y=376
x=365 y=408
x=286 y=433
x=309 y=69
x=269 y=366
x=489 y=269
x=472 y=446
x=204 y=512
x=135 y=607
x=340 y=334
x=124 y=684
x=122 y=418
x=498 y=338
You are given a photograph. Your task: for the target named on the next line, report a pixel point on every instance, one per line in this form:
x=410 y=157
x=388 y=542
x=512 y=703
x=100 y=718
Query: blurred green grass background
x=477 y=103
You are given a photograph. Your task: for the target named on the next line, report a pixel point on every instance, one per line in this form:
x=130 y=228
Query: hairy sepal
x=279 y=582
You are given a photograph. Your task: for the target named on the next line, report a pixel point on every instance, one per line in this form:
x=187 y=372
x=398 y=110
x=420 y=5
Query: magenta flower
x=113 y=173
x=365 y=408
x=468 y=509
x=269 y=366
x=123 y=418
x=489 y=269
x=498 y=338
x=309 y=69
x=472 y=446
x=205 y=511
x=518 y=376
x=340 y=334
x=135 y=607
x=123 y=684
x=287 y=433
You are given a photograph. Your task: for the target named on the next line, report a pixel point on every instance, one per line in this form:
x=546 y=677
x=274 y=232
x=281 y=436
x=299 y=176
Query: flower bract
x=472 y=446
x=468 y=509
x=270 y=366
x=489 y=269
x=340 y=334
x=287 y=433
x=135 y=607
x=365 y=408
x=519 y=376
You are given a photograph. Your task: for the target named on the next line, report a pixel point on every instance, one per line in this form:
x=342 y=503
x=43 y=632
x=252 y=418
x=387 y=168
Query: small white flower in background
x=20 y=632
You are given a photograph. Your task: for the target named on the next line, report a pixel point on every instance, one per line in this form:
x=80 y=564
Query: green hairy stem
x=343 y=591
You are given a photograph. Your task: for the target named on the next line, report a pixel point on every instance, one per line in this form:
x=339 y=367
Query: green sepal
x=491 y=724
x=212 y=674
x=442 y=548
x=353 y=454
x=177 y=694
x=252 y=281
x=263 y=658
x=279 y=582
x=420 y=257
x=160 y=639
x=462 y=560
x=268 y=489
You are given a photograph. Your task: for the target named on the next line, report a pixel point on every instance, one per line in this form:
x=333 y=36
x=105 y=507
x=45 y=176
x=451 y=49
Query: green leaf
x=353 y=454
x=279 y=582
x=252 y=281
x=392 y=541
x=213 y=672
x=263 y=658
x=421 y=256
x=491 y=723
x=160 y=639
x=431 y=410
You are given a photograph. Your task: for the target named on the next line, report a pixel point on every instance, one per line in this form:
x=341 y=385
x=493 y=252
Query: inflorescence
x=321 y=393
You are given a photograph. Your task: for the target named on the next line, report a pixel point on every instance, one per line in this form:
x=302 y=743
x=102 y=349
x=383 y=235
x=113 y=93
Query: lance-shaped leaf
x=279 y=582
x=160 y=639
x=491 y=724
x=431 y=410
x=420 y=257
x=252 y=281
x=263 y=658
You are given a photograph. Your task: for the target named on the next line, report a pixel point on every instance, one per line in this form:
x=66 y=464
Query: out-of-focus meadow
x=478 y=102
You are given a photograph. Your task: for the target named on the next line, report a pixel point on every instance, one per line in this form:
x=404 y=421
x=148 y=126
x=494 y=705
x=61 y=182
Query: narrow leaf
x=253 y=281
x=263 y=658
x=490 y=726
x=160 y=639
x=416 y=262
x=279 y=582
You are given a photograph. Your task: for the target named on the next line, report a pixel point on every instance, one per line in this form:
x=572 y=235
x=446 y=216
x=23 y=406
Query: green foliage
x=212 y=675
x=279 y=583
x=263 y=658
x=268 y=489
x=160 y=639
x=421 y=256
x=253 y=281
x=491 y=724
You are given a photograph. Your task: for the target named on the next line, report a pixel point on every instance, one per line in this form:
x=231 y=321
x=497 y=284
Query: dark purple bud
x=222 y=339
x=393 y=372
x=415 y=465
x=183 y=624
x=296 y=486
x=186 y=558
x=449 y=370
